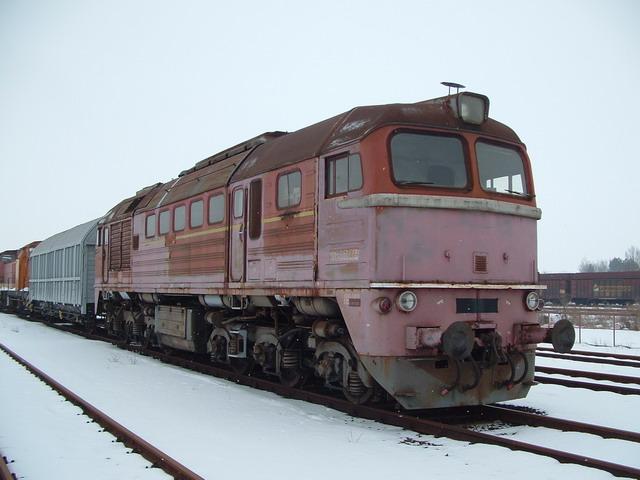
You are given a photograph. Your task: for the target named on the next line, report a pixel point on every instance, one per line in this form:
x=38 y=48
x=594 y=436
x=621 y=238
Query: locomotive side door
x=105 y=254
x=238 y=234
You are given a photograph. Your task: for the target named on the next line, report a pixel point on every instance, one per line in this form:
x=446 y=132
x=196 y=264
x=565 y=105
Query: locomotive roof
x=273 y=150
x=355 y=124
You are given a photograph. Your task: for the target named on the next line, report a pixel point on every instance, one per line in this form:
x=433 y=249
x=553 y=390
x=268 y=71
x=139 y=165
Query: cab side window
x=343 y=174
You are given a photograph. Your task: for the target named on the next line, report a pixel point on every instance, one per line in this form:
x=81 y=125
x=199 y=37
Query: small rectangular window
x=255 y=209
x=178 y=218
x=165 y=222
x=238 y=203
x=99 y=239
x=343 y=174
x=216 y=208
x=289 y=189
x=151 y=226
x=196 y=214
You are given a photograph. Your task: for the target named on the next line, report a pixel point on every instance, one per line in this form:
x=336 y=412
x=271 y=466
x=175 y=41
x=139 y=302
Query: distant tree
x=632 y=255
x=631 y=262
x=587 y=266
x=616 y=264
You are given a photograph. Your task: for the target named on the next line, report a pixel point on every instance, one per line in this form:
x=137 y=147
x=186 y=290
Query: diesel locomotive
x=389 y=251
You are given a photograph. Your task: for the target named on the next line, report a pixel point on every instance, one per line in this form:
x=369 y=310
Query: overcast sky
x=101 y=98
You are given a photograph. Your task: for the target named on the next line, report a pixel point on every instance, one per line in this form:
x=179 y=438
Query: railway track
x=597 y=387
x=592 y=357
x=130 y=439
x=418 y=422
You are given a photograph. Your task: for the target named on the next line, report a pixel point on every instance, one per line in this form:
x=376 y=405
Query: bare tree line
x=630 y=262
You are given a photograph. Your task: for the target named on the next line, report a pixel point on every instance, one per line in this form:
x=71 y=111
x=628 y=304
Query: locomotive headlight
x=407 y=301
x=532 y=300
x=471 y=107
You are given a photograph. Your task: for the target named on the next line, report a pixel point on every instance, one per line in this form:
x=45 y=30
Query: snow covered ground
x=218 y=428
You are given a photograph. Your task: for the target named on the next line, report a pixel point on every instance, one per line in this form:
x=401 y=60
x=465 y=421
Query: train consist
x=594 y=288
x=389 y=251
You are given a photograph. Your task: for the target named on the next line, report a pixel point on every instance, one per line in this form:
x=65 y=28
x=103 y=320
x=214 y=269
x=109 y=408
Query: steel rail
x=519 y=417
x=587 y=353
x=402 y=419
x=598 y=387
x=586 y=374
x=5 y=473
x=126 y=436
x=576 y=358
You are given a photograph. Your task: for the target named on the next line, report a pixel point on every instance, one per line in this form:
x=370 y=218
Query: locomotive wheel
x=241 y=366
x=292 y=377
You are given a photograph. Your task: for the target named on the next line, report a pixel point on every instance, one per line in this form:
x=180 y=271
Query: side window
x=289 y=189
x=164 y=222
x=178 y=218
x=343 y=174
x=150 y=229
x=255 y=209
x=216 y=208
x=98 y=239
x=238 y=203
x=196 y=214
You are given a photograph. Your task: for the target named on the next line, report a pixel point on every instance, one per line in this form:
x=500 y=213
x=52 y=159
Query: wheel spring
x=138 y=329
x=355 y=386
x=290 y=359
x=234 y=346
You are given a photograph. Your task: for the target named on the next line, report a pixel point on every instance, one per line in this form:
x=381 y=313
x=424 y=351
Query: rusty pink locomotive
x=387 y=251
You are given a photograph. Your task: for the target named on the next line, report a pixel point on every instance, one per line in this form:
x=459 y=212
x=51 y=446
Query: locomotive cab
x=447 y=221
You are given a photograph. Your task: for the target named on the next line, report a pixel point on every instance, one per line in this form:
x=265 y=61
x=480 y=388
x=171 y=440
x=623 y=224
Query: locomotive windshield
x=423 y=159
x=501 y=169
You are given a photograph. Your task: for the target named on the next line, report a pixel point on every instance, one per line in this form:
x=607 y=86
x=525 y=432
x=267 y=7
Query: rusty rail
x=586 y=374
x=5 y=473
x=519 y=417
x=130 y=439
x=587 y=353
x=575 y=358
x=598 y=387
x=401 y=419
x=404 y=419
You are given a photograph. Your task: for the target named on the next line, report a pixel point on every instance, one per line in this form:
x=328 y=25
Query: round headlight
x=407 y=301
x=532 y=300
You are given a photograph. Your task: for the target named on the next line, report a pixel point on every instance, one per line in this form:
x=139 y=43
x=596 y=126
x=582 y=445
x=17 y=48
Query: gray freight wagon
x=62 y=273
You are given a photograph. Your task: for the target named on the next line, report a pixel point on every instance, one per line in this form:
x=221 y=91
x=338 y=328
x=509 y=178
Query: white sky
x=101 y=98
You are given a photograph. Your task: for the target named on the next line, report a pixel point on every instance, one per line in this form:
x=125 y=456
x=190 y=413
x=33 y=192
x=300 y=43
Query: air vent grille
x=480 y=263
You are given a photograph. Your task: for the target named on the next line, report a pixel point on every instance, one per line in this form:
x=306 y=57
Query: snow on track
x=217 y=428
x=48 y=437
